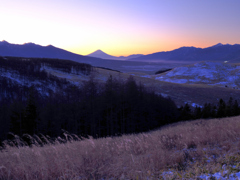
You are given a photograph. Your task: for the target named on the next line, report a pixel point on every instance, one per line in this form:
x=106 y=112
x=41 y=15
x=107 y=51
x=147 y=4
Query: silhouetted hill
x=218 y=52
x=37 y=51
x=100 y=54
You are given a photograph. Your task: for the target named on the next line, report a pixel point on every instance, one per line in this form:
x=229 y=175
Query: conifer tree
x=30 y=114
x=229 y=107
x=197 y=112
x=186 y=113
x=236 y=110
x=207 y=111
x=221 y=112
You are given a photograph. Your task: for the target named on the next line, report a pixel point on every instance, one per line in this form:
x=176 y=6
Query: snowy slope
x=43 y=86
x=212 y=73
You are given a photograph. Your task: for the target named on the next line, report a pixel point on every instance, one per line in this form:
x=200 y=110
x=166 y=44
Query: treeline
x=114 y=108
x=34 y=66
x=222 y=109
x=14 y=96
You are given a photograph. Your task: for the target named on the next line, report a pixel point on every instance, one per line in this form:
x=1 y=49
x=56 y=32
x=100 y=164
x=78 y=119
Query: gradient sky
x=120 y=27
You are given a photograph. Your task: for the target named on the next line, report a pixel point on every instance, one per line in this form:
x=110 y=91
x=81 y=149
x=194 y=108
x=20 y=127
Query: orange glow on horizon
x=126 y=51
x=120 y=28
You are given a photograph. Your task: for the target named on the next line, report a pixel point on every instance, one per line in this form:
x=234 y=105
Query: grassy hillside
x=183 y=150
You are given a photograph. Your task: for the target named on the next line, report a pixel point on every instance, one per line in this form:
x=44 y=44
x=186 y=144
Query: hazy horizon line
x=84 y=54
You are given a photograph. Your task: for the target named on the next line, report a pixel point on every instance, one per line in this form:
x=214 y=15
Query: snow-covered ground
x=43 y=86
x=212 y=73
x=15 y=77
x=224 y=173
x=218 y=176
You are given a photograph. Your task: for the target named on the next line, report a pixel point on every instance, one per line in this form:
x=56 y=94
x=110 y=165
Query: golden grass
x=188 y=149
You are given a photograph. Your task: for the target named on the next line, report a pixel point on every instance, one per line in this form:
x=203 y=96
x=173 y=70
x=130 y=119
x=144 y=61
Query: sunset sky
x=121 y=27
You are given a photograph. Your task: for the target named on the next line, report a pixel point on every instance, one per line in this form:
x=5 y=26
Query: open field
x=184 y=150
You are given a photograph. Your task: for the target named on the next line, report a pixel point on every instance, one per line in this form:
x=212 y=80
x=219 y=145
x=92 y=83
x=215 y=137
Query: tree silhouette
x=186 y=112
x=221 y=111
x=30 y=114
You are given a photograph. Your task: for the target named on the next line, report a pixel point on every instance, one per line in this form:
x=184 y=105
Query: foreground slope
x=186 y=150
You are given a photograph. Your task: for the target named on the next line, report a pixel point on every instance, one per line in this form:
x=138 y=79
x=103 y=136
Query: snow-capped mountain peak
x=217 y=45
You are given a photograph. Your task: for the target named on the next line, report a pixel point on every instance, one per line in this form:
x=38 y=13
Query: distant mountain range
x=37 y=51
x=218 y=52
x=34 y=50
x=100 y=54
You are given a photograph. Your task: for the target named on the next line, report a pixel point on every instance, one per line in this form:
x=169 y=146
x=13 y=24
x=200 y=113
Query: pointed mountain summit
x=220 y=44
x=217 y=45
x=100 y=54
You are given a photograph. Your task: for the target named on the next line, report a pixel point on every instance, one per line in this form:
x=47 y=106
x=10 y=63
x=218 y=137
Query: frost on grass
x=185 y=150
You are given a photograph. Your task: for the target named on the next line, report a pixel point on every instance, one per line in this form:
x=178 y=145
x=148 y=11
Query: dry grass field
x=185 y=150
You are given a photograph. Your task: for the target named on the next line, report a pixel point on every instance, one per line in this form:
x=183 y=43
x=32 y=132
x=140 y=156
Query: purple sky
x=120 y=27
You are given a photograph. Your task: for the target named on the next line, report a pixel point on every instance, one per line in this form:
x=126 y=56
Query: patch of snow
x=238 y=175
x=194 y=105
x=218 y=175
x=204 y=72
x=162 y=94
x=42 y=86
x=13 y=76
x=179 y=81
x=146 y=76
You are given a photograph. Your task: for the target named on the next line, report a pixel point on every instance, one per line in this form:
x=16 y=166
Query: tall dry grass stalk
x=137 y=156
